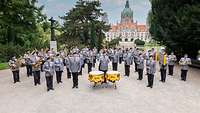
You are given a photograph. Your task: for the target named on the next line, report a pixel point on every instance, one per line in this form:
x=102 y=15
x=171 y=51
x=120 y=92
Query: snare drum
x=96 y=76
x=113 y=76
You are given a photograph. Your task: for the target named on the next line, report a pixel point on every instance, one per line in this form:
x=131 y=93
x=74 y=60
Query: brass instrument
x=185 y=62
x=37 y=64
x=16 y=64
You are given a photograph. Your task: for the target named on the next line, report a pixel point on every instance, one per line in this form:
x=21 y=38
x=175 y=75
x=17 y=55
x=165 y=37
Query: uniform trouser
x=114 y=66
x=163 y=74
x=75 y=78
x=104 y=71
x=184 y=75
x=171 y=69
x=59 y=76
x=49 y=81
x=68 y=73
x=120 y=60
x=140 y=73
x=80 y=73
x=127 y=70
x=29 y=70
x=89 y=67
x=36 y=76
x=136 y=66
x=94 y=61
x=16 y=76
x=41 y=67
x=150 y=79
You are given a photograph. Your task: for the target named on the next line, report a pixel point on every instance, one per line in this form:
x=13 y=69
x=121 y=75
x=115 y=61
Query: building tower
x=127 y=14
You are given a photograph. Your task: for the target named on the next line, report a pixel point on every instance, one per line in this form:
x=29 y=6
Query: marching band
x=51 y=62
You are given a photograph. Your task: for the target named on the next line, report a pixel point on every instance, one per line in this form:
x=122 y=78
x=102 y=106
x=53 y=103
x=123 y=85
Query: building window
x=126 y=40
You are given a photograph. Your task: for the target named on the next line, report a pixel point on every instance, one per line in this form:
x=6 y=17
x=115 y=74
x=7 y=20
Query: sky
x=56 y=8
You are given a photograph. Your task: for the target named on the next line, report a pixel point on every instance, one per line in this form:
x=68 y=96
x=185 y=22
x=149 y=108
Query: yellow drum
x=113 y=76
x=96 y=77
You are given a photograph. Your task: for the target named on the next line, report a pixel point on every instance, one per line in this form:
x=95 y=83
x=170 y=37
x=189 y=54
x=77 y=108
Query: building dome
x=127 y=13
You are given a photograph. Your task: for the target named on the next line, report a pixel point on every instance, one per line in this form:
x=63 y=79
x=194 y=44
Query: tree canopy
x=82 y=25
x=176 y=24
x=22 y=25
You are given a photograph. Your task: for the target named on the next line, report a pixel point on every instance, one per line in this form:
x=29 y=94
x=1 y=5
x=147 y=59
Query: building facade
x=128 y=30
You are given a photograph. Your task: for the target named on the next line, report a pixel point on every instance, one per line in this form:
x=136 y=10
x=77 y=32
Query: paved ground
x=132 y=96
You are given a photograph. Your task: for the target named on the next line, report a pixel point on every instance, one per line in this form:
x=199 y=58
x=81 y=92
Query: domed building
x=128 y=30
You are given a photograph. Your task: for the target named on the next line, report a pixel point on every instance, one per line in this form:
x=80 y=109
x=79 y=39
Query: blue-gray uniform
x=28 y=63
x=59 y=67
x=184 y=62
x=82 y=62
x=67 y=66
x=49 y=69
x=140 y=64
x=136 y=56
x=103 y=64
x=120 y=56
x=163 y=67
x=75 y=67
x=14 y=67
x=115 y=60
x=172 y=60
x=128 y=60
x=36 y=69
x=151 y=69
x=90 y=59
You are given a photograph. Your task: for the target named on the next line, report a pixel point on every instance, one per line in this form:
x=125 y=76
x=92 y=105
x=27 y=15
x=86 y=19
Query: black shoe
x=151 y=86
x=52 y=88
x=138 y=79
x=77 y=87
x=148 y=85
x=73 y=87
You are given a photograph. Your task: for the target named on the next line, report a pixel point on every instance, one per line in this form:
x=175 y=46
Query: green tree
x=21 y=26
x=175 y=24
x=82 y=24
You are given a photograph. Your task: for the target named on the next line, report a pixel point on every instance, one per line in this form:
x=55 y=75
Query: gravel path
x=132 y=96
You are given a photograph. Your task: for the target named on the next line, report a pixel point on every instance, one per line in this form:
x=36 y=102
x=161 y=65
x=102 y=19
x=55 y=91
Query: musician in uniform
x=36 y=68
x=75 y=67
x=82 y=63
x=151 y=70
x=115 y=60
x=90 y=59
x=49 y=69
x=28 y=63
x=67 y=66
x=128 y=60
x=172 y=60
x=163 y=65
x=103 y=64
x=120 y=52
x=59 y=67
x=140 y=67
x=136 y=56
x=184 y=62
x=14 y=66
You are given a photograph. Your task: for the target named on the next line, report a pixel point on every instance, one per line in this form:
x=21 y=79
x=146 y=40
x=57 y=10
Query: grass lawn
x=3 y=66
